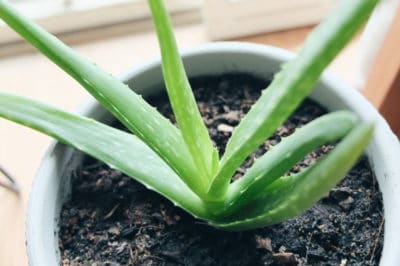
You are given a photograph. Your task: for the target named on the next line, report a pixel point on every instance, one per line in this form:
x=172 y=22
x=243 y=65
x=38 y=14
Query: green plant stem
x=120 y=150
x=281 y=158
x=181 y=97
x=294 y=195
x=290 y=86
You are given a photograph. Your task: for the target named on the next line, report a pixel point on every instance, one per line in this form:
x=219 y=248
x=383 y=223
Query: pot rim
x=384 y=145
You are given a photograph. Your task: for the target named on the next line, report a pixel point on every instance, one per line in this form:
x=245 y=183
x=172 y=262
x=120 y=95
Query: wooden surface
x=241 y=18
x=383 y=85
x=34 y=76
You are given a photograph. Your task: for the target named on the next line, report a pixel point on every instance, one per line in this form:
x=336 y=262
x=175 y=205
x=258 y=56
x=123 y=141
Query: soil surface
x=113 y=220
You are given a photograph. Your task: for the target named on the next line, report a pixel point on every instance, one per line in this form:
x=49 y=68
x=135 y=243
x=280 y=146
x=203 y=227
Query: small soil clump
x=113 y=220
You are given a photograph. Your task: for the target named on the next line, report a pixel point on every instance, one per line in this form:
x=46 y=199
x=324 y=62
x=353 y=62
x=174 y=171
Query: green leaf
x=290 y=86
x=281 y=158
x=127 y=106
x=120 y=150
x=181 y=96
x=290 y=196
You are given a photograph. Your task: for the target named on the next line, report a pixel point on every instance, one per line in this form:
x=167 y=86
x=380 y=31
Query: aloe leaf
x=181 y=96
x=271 y=196
x=281 y=158
x=137 y=115
x=291 y=85
x=299 y=193
x=120 y=150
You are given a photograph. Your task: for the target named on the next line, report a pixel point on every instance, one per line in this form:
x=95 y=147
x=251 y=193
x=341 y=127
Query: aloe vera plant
x=181 y=163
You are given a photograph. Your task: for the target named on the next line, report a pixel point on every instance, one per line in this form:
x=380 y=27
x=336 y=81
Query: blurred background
x=117 y=34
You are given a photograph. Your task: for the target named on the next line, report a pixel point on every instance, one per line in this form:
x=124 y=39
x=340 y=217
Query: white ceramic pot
x=374 y=34
x=52 y=183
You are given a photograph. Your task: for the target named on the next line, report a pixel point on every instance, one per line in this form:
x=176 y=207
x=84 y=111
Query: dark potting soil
x=113 y=220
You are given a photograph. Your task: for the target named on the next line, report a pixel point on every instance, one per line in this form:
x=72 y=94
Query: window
x=66 y=16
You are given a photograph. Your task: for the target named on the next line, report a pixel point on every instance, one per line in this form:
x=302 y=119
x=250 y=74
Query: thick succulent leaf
x=120 y=150
x=281 y=158
x=127 y=106
x=181 y=96
x=270 y=198
x=288 y=197
x=291 y=85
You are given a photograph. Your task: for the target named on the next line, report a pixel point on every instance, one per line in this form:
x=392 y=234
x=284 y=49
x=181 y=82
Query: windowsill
x=87 y=20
